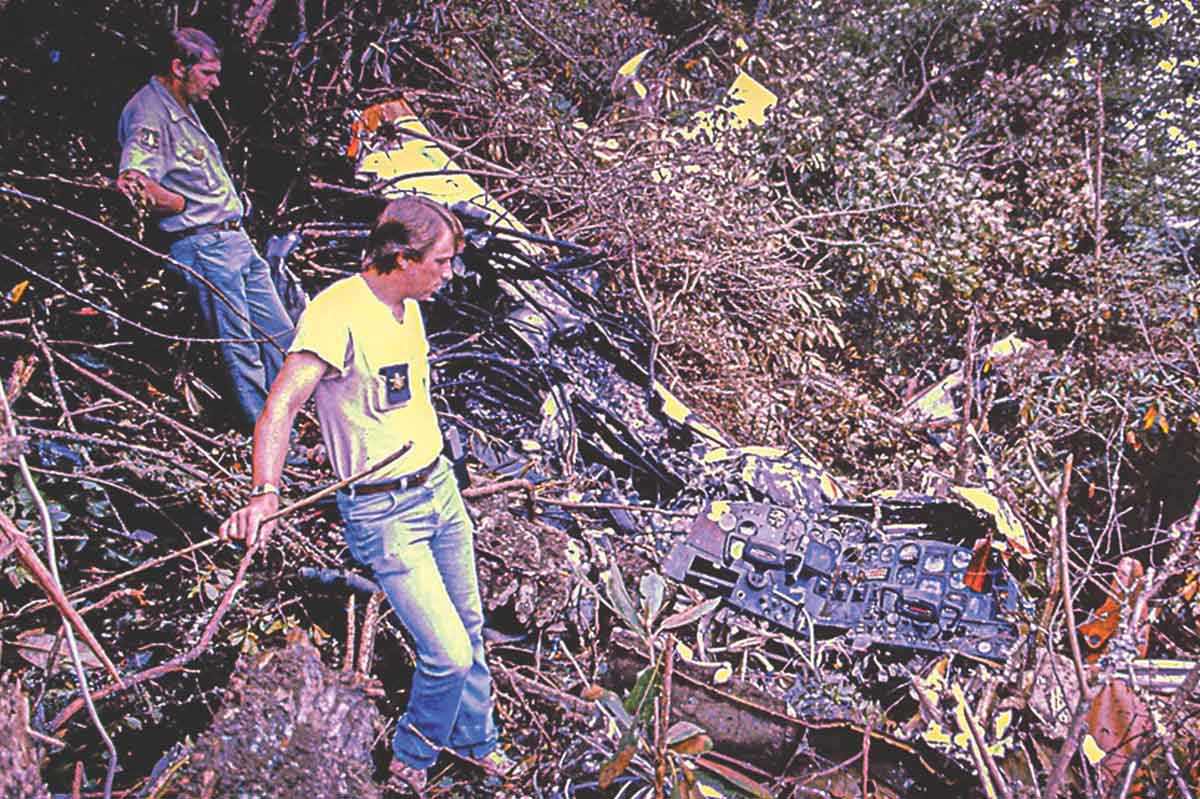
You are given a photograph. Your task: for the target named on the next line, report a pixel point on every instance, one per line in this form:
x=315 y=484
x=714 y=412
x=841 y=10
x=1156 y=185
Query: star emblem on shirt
x=398 y=381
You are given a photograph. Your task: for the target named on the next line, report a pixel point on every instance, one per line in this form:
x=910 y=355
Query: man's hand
x=146 y=194
x=246 y=524
x=132 y=184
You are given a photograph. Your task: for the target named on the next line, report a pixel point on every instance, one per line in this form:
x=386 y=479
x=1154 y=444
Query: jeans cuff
x=409 y=747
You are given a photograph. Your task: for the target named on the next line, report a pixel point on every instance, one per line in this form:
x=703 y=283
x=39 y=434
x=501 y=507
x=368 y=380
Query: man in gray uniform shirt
x=170 y=163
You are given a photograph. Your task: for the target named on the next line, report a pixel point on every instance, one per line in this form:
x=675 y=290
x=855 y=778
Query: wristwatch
x=262 y=489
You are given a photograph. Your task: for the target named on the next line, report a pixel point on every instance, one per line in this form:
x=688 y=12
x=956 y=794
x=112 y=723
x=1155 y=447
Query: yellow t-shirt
x=376 y=395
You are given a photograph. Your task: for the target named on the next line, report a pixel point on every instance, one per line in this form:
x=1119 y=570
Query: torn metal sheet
x=989 y=507
x=939 y=403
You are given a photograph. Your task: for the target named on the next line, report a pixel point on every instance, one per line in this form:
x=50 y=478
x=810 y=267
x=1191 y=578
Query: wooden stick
x=333 y=488
x=179 y=661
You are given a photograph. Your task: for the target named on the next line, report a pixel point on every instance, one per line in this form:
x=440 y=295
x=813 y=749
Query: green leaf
x=691 y=614
x=653 y=589
x=613 y=704
x=640 y=701
x=696 y=745
x=619 y=762
x=735 y=778
x=681 y=731
x=622 y=603
x=98 y=508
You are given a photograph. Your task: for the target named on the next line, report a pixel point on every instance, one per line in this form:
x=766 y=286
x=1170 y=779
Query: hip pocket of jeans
x=367 y=509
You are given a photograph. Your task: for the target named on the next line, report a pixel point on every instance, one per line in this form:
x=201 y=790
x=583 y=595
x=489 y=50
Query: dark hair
x=409 y=227
x=189 y=45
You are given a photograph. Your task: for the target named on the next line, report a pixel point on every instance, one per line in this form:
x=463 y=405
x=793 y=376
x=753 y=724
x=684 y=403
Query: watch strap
x=262 y=489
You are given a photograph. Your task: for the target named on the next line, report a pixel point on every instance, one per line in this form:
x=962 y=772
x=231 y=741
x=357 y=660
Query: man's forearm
x=271 y=433
x=162 y=201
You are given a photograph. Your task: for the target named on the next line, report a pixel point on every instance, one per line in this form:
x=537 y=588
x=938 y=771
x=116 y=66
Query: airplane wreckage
x=804 y=623
x=889 y=617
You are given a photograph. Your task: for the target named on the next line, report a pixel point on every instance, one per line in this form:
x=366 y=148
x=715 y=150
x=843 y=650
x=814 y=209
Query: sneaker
x=498 y=764
x=411 y=776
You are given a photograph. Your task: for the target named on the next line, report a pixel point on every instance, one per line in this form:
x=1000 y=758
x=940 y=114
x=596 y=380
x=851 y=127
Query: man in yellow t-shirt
x=360 y=350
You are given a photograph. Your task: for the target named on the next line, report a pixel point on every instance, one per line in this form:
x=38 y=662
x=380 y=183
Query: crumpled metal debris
x=894 y=610
x=939 y=403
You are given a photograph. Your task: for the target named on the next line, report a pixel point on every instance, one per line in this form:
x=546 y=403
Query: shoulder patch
x=148 y=138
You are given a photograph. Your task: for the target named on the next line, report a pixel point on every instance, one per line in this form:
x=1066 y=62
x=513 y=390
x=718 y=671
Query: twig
x=664 y=716
x=866 y=757
x=1064 y=569
x=798 y=218
x=109 y=312
x=142 y=247
x=52 y=584
x=575 y=707
x=88 y=438
x=980 y=741
x=351 y=624
x=558 y=48
x=366 y=640
x=179 y=661
x=150 y=564
x=1075 y=730
x=963 y=456
x=563 y=503
x=180 y=426
x=475 y=492
x=46 y=739
x=11 y=534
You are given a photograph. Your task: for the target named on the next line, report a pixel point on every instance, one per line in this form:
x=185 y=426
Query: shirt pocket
x=396 y=367
x=194 y=158
x=392 y=387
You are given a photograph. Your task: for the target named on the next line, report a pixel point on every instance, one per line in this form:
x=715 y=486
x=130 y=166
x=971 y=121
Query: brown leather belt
x=229 y=224
x=399 y=484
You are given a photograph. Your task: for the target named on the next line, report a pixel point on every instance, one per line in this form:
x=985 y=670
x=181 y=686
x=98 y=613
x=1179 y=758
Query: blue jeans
x=419 y=543
x=228 y=260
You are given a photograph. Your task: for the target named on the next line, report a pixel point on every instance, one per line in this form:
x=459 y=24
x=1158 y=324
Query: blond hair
x=409 y=227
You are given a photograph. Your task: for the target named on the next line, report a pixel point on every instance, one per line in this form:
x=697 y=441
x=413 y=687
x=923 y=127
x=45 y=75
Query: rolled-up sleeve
x=325 y=335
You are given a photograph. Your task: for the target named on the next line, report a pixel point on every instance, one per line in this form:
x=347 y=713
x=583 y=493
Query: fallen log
x=290 y=726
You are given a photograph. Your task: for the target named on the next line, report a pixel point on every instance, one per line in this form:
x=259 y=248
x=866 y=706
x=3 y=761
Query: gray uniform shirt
x=169 y=145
